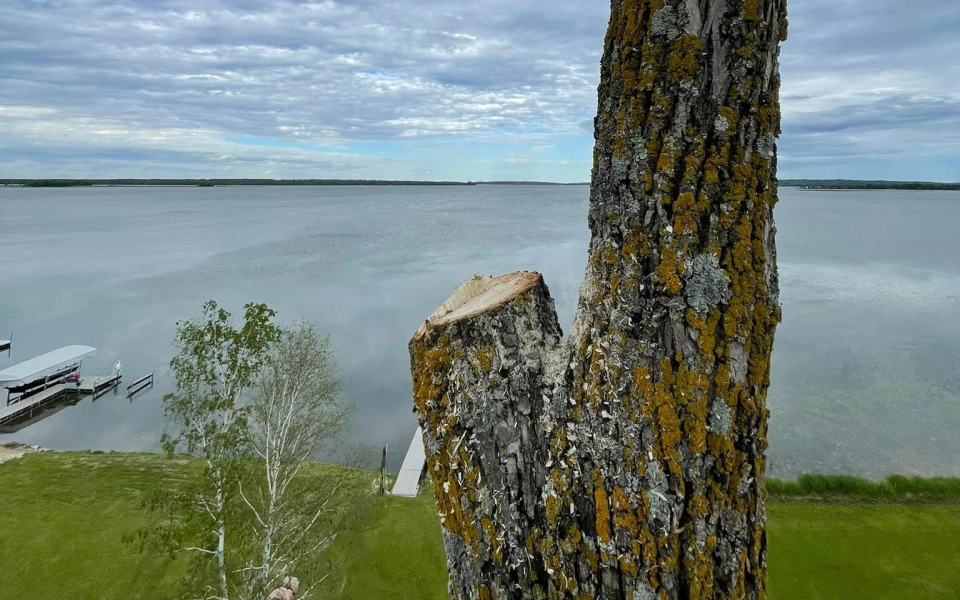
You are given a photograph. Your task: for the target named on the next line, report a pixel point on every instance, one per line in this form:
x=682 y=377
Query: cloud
x=378 y=88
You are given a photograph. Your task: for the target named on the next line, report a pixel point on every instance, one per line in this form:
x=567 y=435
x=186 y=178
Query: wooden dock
x=94 y=385
x=47 y=411
x=139 y=385
x=411 y=472
x=89 y=386
x=26 y=408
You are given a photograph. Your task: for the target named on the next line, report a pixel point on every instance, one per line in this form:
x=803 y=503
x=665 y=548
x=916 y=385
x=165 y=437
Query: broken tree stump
x=482 y=373
x=627 y=461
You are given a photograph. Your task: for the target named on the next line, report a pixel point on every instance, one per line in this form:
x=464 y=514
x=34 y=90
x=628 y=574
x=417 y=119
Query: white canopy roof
x=41 y=366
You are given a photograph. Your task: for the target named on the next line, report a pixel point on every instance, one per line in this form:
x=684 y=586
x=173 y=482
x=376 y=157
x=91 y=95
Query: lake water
x=866 y=369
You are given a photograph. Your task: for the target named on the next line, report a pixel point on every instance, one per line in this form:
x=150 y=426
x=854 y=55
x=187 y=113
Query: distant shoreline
x=62 y=183
x=806 y=189
x=850 y=185
x=813 y=185
x=65 y=183
x=889 y=189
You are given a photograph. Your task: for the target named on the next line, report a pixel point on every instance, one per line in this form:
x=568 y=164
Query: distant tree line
x=815 y=184
x=854 y=184
x=530 y=183
x=213 y=182
x=50 y=183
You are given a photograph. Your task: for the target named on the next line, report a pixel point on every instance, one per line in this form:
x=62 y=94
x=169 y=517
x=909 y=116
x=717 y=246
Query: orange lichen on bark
x=602 y=508
x=657 y=430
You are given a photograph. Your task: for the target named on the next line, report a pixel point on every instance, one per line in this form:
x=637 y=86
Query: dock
x=26 y=408
x=89 y=386
x=33 y=385
x=411 y=472
x=40 y=414
x=97 y=385
x=139 y=385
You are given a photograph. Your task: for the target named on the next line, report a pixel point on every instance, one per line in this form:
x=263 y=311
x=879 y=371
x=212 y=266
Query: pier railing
x=140 y=384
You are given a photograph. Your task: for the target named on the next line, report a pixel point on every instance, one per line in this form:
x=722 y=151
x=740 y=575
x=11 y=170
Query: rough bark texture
x=628 y=461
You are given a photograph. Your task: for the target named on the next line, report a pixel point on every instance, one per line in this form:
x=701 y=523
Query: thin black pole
x=383 y=472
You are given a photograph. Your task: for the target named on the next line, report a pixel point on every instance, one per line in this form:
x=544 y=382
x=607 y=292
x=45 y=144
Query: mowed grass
x=62 y=522
x=397 y=554
x=817 y=551
x=63 y=517
x=829 y=551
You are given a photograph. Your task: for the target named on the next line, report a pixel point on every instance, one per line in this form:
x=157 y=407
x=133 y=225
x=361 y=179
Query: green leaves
x=215 y=365
x=254 y=403
x=214 y=368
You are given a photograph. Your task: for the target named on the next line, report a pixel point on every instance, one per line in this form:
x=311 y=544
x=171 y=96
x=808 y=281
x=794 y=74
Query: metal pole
x=383 y=472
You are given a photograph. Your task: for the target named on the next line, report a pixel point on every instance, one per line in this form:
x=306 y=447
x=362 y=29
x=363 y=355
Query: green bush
x=896 y=487
x=938 y=488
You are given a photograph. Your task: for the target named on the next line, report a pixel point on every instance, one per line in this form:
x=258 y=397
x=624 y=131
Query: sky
x=430 y=89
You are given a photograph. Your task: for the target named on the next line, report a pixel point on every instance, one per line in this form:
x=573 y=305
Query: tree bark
x=627 y=462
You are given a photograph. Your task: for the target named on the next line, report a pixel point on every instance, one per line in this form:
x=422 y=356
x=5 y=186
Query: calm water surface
x=866 y=370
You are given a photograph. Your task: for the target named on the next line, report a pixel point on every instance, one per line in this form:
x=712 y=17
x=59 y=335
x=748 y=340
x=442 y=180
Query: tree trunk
x=221 y=540
x=628 y=461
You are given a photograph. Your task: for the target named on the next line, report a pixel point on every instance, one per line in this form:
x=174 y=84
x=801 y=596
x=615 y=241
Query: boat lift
x=39 y=381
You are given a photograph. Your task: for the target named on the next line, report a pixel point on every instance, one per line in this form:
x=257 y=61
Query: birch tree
x=215 y=365
x=294 y=415
x=626 y=462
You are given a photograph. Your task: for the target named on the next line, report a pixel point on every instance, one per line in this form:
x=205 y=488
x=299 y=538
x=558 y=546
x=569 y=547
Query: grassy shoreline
x=896 y=488
x=63 y=516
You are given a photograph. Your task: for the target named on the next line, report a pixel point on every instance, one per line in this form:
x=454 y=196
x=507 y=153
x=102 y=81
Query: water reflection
x=865 y=369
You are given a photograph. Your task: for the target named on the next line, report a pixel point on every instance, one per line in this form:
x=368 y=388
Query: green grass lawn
x=63 y=517
x=62 y=522
x=398 y=554
x=863 y=551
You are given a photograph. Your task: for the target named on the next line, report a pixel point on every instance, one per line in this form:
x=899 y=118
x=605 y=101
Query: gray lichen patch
x=619 y=167
x=668 y=22
x=739 y=363
x=708 y=285
x=658 y=488
x=720 y=417
x=767 y=146
x=721 y=126
x=458 y=555
x=642 y=590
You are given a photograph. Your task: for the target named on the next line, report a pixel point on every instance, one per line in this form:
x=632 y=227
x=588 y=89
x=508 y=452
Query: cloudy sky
x=430 y=89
